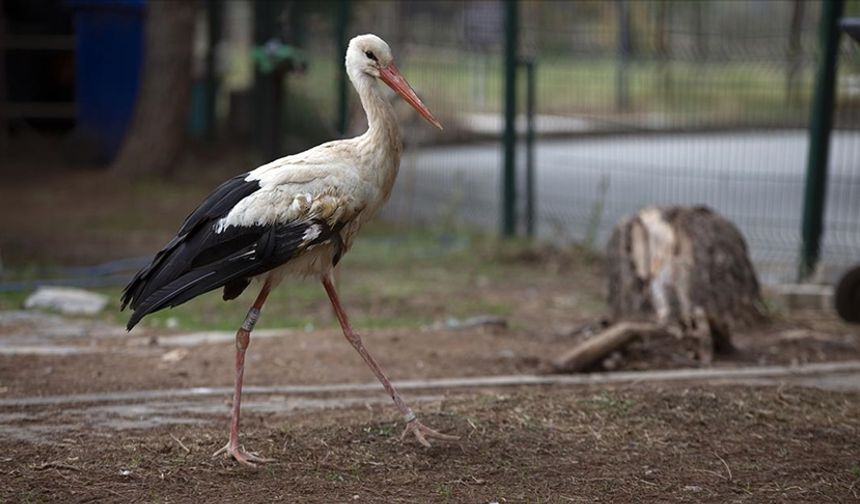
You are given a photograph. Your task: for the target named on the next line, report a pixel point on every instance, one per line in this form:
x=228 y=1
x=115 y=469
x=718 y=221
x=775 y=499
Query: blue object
x=109 y=52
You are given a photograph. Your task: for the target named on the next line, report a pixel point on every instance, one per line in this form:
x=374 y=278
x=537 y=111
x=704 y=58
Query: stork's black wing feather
x=220 y=202
x=199 y=259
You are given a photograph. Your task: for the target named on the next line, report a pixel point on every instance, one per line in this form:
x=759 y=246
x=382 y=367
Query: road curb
x=690 y=375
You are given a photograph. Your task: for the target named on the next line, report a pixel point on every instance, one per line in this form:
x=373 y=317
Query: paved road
x=754 y=178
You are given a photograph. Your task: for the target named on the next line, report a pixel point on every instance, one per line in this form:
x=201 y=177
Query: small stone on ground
x=67 y=300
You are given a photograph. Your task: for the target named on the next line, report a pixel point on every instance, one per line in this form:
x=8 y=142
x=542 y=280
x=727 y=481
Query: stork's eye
x=370 y=55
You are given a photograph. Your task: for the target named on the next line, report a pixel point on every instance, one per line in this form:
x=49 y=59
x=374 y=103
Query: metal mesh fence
x=639 y=103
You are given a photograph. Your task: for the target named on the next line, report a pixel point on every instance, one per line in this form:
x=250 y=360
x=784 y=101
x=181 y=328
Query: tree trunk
x=156 y=135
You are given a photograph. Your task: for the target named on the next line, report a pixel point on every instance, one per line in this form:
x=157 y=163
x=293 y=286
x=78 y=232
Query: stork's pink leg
x=421 y=431
x=243 y=339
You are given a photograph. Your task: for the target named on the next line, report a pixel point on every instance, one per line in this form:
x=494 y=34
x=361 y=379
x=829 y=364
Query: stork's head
x=370 y=55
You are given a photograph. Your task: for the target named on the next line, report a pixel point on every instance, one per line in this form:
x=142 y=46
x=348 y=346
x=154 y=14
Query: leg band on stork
x=251 y=319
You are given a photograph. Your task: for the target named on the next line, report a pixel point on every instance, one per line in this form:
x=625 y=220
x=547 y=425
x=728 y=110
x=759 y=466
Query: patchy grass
x=608 y=403
x=393 y=277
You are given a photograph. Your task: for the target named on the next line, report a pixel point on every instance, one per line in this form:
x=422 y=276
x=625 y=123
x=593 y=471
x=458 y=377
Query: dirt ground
x=641 y=442
x=632 y=444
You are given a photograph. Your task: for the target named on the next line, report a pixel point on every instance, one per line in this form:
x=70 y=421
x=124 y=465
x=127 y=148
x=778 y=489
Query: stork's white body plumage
x=345 y=181
x=297 y=215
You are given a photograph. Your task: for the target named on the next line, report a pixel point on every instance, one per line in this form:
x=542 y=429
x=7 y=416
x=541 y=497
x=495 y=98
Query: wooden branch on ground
x=592 y=350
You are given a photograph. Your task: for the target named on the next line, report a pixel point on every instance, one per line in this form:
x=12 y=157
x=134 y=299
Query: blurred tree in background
x=157 y=133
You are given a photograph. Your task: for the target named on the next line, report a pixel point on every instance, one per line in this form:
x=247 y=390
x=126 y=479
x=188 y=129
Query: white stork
x=297 y=215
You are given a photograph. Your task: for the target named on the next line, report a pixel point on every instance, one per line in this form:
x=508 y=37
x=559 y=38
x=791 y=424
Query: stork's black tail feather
x=205 y=260
x=190 y=285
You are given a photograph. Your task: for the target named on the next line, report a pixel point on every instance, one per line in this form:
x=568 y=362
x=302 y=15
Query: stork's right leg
x=243 y=339
x=413 y=425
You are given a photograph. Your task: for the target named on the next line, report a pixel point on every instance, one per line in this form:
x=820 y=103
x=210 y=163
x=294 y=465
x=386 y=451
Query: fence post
x=343 y=7
x=821 y=123
x=531 y=72
x=509 y=138
x=622 y=87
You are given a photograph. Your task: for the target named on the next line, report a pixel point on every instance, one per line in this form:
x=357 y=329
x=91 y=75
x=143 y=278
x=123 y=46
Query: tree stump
x=676 y=270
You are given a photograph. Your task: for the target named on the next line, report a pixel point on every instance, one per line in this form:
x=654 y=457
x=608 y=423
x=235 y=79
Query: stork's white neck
x=381 y=122
x=381 y=142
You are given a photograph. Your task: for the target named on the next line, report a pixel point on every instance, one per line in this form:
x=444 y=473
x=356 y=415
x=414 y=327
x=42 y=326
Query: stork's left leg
x=243 y=339
x=421 y=431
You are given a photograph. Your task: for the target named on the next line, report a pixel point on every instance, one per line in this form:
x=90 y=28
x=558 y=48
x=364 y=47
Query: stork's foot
x=422 y=432
x=248 y=458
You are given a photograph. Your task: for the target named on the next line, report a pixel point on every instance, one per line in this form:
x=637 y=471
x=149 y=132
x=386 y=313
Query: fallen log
x=589 y=352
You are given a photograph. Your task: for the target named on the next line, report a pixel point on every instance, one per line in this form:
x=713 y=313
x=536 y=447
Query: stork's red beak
x=391 y=76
